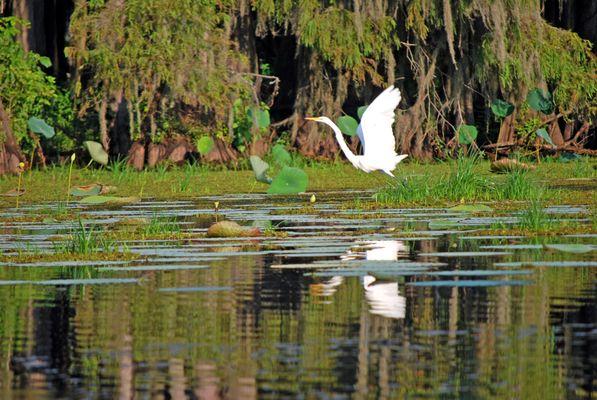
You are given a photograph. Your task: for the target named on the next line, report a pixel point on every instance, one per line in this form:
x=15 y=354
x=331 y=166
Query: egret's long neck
x=340 y=138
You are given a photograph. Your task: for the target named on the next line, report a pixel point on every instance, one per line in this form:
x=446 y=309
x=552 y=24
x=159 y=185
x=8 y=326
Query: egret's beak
x=312 y=118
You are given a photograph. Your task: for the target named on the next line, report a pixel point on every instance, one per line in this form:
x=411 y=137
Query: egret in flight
x=375 y=133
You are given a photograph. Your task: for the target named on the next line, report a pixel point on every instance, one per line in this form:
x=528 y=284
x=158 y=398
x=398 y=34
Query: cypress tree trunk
x=10 y=151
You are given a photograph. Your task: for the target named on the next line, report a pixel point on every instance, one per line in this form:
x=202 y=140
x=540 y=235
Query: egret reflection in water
x=383 y=297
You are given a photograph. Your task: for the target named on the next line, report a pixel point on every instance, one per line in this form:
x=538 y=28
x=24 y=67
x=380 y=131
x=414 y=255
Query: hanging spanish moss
x=149 y=79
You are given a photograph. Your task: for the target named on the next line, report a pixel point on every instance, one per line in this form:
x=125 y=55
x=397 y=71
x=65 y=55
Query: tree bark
x=10 y=151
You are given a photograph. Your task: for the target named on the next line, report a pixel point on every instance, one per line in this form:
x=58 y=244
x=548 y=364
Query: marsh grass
x=535 y=218
x=163 y=182
x=85 y=240
x=584 y=168
x=464 y=182
x=161 y=226
x=121 y=170
x=518 y=186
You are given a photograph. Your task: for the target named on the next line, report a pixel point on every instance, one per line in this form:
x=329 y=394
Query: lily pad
x=542 y=133
x=471 y=208
x=466 y=254
x=260 y=117
x=204 y=145
x=443 y=224
x=361 y=110
x=86 y=190
x=571 y=248
x=260 y=168
x=97 y=152
x=470 y=283
x=281 y=156
x=501 y=108
x=575 y=264
x=231 y=229
x=481 y=272
x=540 y=101
x=40 y=126
x=348 y=125
x=94 y=200
x=289 y=181
x=467 y=134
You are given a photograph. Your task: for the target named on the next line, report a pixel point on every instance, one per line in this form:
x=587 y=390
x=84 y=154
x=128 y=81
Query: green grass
x=161 y=226
x=518 y=186
x=416 y=183
x=535 y=218
x=85 y=240
x=463 y=182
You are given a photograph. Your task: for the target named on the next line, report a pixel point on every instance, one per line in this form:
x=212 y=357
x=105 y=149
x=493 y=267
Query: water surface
x=387 y=306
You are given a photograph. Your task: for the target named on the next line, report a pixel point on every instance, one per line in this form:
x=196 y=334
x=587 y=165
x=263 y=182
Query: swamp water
x=404 y=303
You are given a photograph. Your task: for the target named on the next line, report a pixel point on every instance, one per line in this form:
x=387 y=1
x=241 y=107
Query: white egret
x=375 y=133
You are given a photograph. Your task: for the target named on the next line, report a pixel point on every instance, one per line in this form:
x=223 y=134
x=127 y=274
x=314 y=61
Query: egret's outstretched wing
x=375 y=129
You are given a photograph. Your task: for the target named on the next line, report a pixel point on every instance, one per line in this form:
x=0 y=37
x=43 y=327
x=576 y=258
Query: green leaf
x=348 y=125
x=38 y=125
x=361 y=110
x=87 y=190
x=540 y=101
x=443 y=224
x=471 y=208
x=289 y=181
x=572 y=248
x=260 y=168
x=204 y=145
x=260 y=117
x=94 y=200
x=45 y=61
x=281 y=156
x=542 y=133
x=467 y=134
x=97 y=152
x=501 y=108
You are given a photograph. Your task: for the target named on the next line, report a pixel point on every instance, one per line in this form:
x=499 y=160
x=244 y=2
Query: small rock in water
x=231 y=229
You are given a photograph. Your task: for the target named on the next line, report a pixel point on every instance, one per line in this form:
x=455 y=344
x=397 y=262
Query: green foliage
x=24 y=88
x=348 y=125
x=204 y=145
x=344 y=38
x=85 y=240
x=535 y=218
x=248 y=121
x=161 y=226
x=518 y=186
x=463 y=183
x=160 y=55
